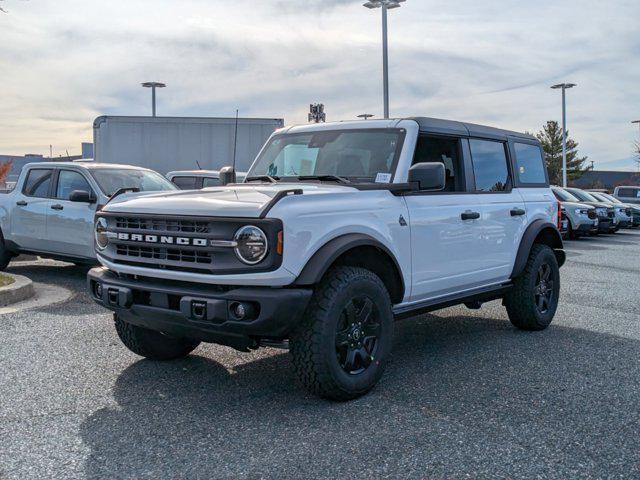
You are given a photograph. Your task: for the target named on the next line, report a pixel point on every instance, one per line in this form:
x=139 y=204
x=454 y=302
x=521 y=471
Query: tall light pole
x=153 y=86
x=638 y=146
x=564 y=87
x=385 y=5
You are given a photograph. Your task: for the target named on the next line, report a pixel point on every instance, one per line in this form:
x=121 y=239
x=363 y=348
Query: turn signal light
x=279 y=245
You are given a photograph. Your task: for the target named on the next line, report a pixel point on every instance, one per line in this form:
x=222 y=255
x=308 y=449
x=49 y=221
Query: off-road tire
x=5 y=256
x=313 y=343
x=151 y=344
x=571 y=234
x=520 y=300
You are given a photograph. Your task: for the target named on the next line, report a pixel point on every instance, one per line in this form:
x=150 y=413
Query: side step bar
x=475 y=297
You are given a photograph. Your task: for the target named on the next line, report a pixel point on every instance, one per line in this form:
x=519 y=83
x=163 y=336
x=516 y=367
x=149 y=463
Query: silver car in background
x=627 y=194
x=198 y=179
x=623 y=212
x=51 y=210
x=627 y=214
x=583 y=219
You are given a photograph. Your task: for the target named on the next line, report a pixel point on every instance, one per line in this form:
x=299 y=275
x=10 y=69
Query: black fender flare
x=553 y=239
x=324 y=257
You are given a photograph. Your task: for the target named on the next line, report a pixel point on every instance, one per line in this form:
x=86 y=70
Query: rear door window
x=185 y=183
x=489 y=165
x=529 y=164
x=38 y=182
x=210 y=182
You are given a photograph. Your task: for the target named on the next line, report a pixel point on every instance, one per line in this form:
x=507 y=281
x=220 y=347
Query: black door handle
x=57 y=206
x=470 y=215
x=516 y=212
x=21 y=203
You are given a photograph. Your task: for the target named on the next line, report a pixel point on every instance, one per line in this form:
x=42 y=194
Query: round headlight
x=101 y=233
x=251 y=244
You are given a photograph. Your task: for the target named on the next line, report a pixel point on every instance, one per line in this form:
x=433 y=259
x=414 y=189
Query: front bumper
x=588 y=227
x=605 y=224
x=201 y=312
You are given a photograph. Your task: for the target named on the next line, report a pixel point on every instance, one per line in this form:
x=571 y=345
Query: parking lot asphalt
x=465 y=395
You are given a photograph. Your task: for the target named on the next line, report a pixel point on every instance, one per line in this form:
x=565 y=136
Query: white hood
x=246 y=200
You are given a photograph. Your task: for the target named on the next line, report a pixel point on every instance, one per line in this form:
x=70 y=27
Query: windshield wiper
x=268 y=178
x=334 y=178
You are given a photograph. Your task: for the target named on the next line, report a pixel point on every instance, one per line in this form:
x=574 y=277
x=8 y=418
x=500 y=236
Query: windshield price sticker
x=383 y=178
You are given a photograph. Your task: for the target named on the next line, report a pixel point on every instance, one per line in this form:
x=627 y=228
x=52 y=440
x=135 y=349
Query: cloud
x=64 y=63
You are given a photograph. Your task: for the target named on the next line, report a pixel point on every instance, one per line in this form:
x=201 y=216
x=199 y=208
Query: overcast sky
x=64 y=62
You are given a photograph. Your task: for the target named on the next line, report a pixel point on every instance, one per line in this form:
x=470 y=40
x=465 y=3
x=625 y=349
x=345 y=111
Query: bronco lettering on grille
x=163 y=239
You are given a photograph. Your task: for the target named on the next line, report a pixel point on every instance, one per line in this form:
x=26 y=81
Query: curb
x=21 y=289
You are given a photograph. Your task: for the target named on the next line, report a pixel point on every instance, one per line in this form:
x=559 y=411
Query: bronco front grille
x=162 y=253
x=162 y=225
x=190 y=244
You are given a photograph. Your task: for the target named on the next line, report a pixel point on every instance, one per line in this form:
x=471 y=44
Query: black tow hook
x=198 y=310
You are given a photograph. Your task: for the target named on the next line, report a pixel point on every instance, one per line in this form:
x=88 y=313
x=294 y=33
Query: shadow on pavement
x=72 y=277
x=461 y=396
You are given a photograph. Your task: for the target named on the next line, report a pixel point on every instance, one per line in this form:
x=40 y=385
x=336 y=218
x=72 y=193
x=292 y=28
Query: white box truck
x=164 y=144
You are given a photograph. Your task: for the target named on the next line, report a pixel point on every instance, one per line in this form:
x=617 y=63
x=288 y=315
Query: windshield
x=111 y=180
x=598 y=196
x=355 y=155
x=610 y=198
x=564 y=196
x=584 y=196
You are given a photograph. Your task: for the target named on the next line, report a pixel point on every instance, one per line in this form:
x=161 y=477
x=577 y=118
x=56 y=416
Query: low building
x=606 y=179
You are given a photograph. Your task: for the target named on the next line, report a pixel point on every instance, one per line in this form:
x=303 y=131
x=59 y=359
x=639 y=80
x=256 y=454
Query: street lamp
x=564 y=87
x=385 y=5
x=153 y=86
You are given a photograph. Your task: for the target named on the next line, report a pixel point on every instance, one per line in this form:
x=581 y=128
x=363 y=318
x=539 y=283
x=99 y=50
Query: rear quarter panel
x=541 y=204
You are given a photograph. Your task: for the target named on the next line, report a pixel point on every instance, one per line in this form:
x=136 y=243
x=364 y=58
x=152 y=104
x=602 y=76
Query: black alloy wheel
x=357 y=335
x=544 y=288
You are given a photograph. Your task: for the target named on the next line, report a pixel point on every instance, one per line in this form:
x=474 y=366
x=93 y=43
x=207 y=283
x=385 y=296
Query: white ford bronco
x=338 y=230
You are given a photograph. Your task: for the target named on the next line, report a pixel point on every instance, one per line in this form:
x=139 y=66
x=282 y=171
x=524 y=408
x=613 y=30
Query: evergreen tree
x=551 y=138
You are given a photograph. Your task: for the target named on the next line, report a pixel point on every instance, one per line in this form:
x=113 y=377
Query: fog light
x=97 y=290
x=239 y=311
x=243 y=310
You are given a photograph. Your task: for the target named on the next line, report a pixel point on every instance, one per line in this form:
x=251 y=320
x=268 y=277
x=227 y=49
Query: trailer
x=180 y=143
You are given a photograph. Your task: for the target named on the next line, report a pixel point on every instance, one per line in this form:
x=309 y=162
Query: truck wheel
x=341 y=347
x=5 y=256
x=533 y=300
x=151 y=344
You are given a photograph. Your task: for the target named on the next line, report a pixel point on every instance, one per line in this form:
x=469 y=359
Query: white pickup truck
x=51 y=209
x=337 y=230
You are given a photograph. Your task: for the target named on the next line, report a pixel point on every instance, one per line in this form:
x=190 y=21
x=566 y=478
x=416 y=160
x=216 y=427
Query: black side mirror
x=227 y=175
x=428 y=176
x=82 y=196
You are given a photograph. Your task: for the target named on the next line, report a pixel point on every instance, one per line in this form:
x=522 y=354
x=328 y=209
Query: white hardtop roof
x=425 y=124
